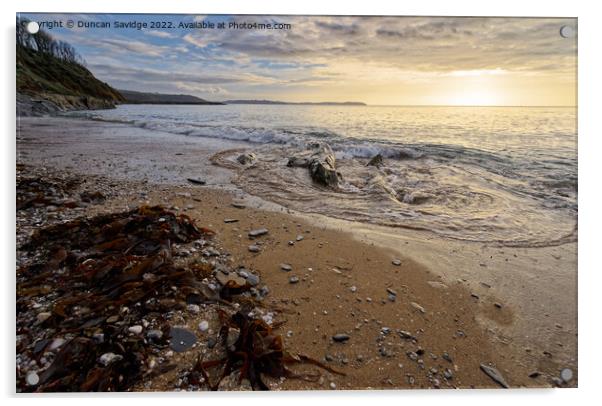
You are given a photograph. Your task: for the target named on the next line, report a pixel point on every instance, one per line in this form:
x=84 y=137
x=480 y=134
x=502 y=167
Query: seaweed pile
x=256 y=350
x=97 y=278
x=95 y=296
x=38 y=191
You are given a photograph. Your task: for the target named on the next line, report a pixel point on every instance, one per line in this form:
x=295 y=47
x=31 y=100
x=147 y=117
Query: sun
x=474 y=97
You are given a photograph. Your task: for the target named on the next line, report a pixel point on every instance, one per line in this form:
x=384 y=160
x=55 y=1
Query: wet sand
x=533 y=328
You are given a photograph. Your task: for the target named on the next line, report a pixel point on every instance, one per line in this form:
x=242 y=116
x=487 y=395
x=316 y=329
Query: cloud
x=160 y=34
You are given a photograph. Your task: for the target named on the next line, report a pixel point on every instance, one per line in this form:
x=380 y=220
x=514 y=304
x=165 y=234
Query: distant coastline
x=348 y=103
x=133 y=97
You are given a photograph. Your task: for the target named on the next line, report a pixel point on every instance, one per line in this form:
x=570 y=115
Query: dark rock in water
x=377 y=160
x=181 y=339
x=323 y=171
x=258 y=233
x=494 y=374
x=298 y=162
x=245 y=159
x=321 y=163
x=196 y=181
x=340 y=338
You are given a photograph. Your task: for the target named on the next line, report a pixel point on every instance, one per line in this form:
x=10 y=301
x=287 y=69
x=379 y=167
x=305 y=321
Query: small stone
x=391 y=292
x=154 y=334
x=341 y=337
x=353 y=289
x=194 y=308
x=204 y=326
x=448 y=374
x=181 y=339
x=417 y=307
x=32 y=378
x=227 y=221
x=534 y=374
x=211 y=342
x=108 y=358
x=254 y=248
x=333 y=385
x=137 y=329
x=291 y=243
x=299 y=238
x=56 y=343
x=286 y=267
x=112 y=319
x=498 y=305
x=494 y=374
x=405 y=335
x=396 y=262
x=258 y=233
x=252 y=279
x=293 y=279
x=412 y=355
x=446 y=357
x=566 y=375
x=42 y=317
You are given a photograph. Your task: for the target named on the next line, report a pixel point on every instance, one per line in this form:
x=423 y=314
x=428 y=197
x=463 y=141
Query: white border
x=590 y=151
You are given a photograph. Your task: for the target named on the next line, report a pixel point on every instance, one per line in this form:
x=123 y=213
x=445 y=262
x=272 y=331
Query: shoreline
x=458 y=265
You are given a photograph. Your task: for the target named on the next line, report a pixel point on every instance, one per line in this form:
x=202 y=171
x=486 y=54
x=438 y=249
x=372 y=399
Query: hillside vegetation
x=52 y=70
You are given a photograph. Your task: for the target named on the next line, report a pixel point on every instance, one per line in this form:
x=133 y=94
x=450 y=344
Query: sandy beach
x=415 y=310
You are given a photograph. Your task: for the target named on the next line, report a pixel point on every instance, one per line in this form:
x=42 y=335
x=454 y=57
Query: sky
x=376 y=60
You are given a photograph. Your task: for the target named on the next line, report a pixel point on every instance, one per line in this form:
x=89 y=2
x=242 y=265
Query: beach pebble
x=417 y=307
x=341 y=337
x=566 y=375
x=56 y=343
x=252 y=279
x=286 y=267
x=137 y=329
x=227 y=221
x=108 y=358
x=299 y=237
x=181 y=339
x=293 y=279
x=194 y=308
x=254 y=248
x=258 y=233
x=494 y=374
x=333 y=385
x=396 y=262
x=204 y=326
x=353 y=289
x=154 y=334
x=291 y=243
x=42 y=317
x=32 y=378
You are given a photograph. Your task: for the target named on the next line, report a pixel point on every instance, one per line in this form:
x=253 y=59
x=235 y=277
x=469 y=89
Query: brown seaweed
x=257 y=351
x=92 y=269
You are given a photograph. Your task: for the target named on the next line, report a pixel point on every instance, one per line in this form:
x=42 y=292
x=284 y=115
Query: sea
x=496 y=175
